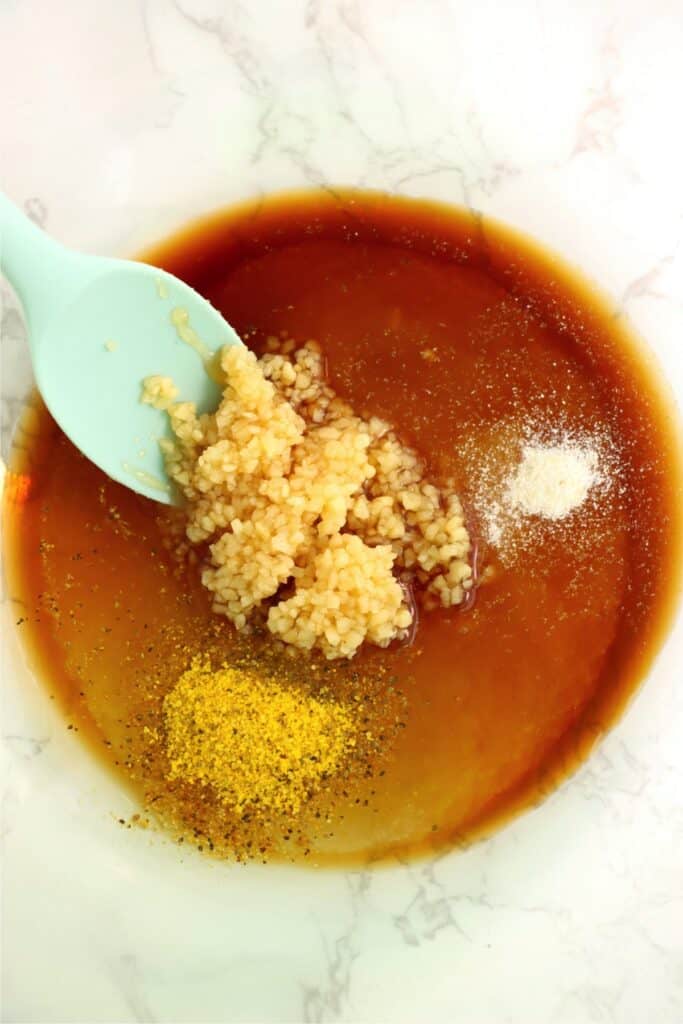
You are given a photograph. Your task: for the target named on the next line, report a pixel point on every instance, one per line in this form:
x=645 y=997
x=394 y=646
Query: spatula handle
x=42 y=272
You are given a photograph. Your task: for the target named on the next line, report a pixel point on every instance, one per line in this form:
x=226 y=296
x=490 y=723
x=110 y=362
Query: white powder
x=536 y=476
x=552 y=481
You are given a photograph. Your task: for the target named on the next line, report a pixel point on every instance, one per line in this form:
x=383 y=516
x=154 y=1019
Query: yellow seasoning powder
x=262 y=746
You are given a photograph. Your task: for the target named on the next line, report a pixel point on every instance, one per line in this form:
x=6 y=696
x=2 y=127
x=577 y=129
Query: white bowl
x=122 y=121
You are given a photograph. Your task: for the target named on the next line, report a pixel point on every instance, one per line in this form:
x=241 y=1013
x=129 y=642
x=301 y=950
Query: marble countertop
x=120 y=120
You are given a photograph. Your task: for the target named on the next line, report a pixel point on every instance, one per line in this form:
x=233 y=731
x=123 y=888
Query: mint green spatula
x=97 y=328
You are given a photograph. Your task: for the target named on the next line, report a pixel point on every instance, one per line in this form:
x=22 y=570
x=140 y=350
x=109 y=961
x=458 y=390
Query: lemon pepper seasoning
x=261 y=745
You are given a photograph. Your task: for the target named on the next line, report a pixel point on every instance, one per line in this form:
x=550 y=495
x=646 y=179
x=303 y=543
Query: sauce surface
x=460 y=333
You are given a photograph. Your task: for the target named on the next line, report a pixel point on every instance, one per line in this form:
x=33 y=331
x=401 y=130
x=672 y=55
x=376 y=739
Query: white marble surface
x=119 y=120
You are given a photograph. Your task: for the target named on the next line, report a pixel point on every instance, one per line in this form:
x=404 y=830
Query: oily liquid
x=459 y=332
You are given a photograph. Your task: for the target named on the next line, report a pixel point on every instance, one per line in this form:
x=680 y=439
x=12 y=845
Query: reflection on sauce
x=458 y=332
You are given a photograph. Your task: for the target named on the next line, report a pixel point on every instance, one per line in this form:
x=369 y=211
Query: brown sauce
x=498 y=702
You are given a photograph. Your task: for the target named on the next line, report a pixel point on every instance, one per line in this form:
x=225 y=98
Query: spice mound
x=552 y=480
x=262 y=746
x=315 y=521
x=532 y=479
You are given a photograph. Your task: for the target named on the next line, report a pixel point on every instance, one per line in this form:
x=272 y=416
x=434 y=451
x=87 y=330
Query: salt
x=553 y=476
x=552 y=481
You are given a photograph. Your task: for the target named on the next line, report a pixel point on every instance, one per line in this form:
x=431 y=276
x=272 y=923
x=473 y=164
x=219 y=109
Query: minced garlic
x=291 y=489
x=371 y=602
